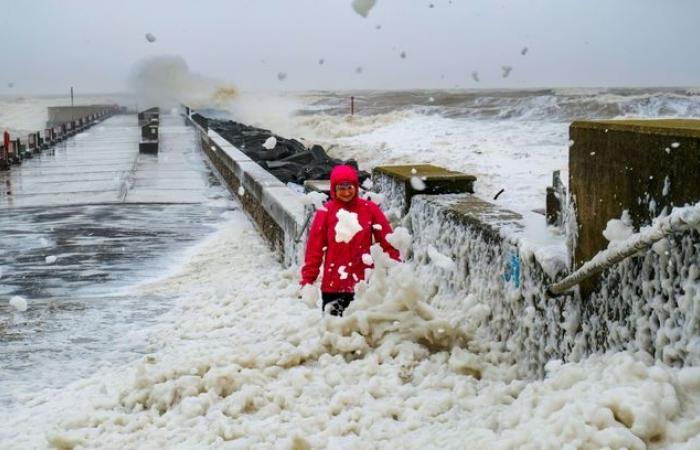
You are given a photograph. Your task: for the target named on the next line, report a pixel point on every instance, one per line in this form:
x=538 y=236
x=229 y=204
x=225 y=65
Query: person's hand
x=309 y=295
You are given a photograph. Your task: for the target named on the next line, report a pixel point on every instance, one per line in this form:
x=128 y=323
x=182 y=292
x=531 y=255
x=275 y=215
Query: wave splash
x=167 y=81
x=549 y=104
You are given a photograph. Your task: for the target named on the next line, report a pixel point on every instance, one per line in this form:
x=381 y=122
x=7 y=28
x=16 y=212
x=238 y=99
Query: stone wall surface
x=497 y=288
x=276 y=210
x=643 y=166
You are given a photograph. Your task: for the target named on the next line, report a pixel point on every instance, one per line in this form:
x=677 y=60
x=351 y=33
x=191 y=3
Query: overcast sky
x=47 y=46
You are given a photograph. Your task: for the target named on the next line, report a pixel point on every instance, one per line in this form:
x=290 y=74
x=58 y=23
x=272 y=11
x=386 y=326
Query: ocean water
x=511 y=140
x=205 y=344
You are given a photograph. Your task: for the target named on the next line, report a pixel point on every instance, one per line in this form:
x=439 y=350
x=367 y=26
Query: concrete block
x=147 y=116
x=427 y=179
x=285 y=207
x=149 y=147
x=483 y=216
x=255 y=179
x=643 y=166
x=323 y=186
x=149 y=132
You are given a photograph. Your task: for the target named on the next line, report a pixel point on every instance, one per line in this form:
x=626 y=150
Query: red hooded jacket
x=343 y=266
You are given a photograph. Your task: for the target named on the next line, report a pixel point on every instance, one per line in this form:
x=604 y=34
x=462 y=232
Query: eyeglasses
x=344 y=186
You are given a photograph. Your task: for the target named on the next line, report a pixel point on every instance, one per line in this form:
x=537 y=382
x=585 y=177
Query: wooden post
x=352 y=105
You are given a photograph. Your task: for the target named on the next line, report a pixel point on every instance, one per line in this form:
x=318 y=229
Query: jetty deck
x=103 y=165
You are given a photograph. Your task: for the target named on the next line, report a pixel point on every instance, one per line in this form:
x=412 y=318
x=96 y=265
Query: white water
x=241 y=362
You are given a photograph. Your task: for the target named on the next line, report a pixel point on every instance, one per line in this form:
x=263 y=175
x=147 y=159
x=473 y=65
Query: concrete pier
x=103 y=165
x=425 y=179
x=63 y=114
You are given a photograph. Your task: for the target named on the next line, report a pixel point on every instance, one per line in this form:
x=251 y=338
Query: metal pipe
x=297 y=238
x=639 y=241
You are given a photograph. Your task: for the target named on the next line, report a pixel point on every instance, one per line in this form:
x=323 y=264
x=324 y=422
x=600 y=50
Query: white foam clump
x=367 y=259
x=377 y=227
x=439 y=259
x=400 y=239
x=19 y=303
x=343 y=273
x=347 y=227
x=50 y=259
x=618 y=230
x=241 y=191
x=315 y=198
x=241 y=364
x=310 y=295
x=667 y=186
x=417 y=184
x=391 y=316
x=552 y=258
x=270 y=143
x=376 y=197
x=362 y=7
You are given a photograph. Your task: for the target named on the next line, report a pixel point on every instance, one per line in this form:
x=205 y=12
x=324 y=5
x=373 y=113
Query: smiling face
x=345 y=191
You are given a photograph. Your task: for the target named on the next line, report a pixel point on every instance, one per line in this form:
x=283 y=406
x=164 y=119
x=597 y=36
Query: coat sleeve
x=380 y=232
x=317 y=240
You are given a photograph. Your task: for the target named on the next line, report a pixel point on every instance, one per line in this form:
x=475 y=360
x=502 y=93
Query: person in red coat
x=341 y=235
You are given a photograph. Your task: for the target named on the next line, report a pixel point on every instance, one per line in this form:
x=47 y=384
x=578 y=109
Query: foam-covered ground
x=240 y=362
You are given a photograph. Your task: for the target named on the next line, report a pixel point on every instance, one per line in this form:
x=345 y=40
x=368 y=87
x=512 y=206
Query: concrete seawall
x=276 y=210
x=63 y=114
x=498 y=284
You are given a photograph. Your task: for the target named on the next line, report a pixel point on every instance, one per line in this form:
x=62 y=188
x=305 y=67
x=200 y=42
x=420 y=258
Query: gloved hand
x=310 y=295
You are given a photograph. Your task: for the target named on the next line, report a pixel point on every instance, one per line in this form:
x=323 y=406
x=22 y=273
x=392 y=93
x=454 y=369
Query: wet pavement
x=103 y=165
x=79 y=225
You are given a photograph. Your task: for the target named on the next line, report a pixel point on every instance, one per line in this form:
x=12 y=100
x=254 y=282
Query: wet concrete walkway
x=87 y=213
x=103 y=165
x=80 y=225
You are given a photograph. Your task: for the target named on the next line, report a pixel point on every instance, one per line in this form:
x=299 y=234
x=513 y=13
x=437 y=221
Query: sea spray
x=167 y=81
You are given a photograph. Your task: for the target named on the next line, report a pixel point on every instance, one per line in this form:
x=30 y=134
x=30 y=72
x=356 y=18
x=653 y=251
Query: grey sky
x=47 y=46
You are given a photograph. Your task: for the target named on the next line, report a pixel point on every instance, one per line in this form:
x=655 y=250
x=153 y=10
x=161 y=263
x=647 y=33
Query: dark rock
x=200 y=120
x=303 y=157
x=289 y=160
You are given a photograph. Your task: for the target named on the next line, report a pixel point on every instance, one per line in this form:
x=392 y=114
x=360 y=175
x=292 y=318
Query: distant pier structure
x=64 y=114
x=64 y=122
